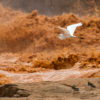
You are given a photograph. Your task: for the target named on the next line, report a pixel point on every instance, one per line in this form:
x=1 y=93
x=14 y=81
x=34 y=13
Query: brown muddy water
x=30 y=50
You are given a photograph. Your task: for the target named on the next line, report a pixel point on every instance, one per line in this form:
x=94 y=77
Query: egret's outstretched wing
x=73 y=27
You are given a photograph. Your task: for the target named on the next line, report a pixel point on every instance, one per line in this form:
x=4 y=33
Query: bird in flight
x=69 y=31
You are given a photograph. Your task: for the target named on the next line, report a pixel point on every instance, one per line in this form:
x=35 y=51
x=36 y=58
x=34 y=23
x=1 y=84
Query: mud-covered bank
x=71 y=89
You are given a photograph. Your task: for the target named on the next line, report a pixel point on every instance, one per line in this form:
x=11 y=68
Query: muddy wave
x=36 y=33
x=29 y=42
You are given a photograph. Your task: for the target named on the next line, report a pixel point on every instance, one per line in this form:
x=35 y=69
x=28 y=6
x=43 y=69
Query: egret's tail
x=79 y=24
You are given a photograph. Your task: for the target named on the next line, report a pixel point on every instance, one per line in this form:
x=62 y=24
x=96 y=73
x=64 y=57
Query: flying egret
x=69 y=31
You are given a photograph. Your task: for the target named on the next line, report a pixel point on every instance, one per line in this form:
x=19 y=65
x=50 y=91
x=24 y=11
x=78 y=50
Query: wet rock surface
x=11 y=90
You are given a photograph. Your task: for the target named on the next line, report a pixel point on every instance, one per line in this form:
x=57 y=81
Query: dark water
x=54 y=7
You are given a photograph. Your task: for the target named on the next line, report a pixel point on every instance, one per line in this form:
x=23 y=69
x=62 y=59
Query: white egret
x=69 y=31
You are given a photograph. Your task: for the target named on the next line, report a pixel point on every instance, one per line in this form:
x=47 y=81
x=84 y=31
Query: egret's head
x=61 y=36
